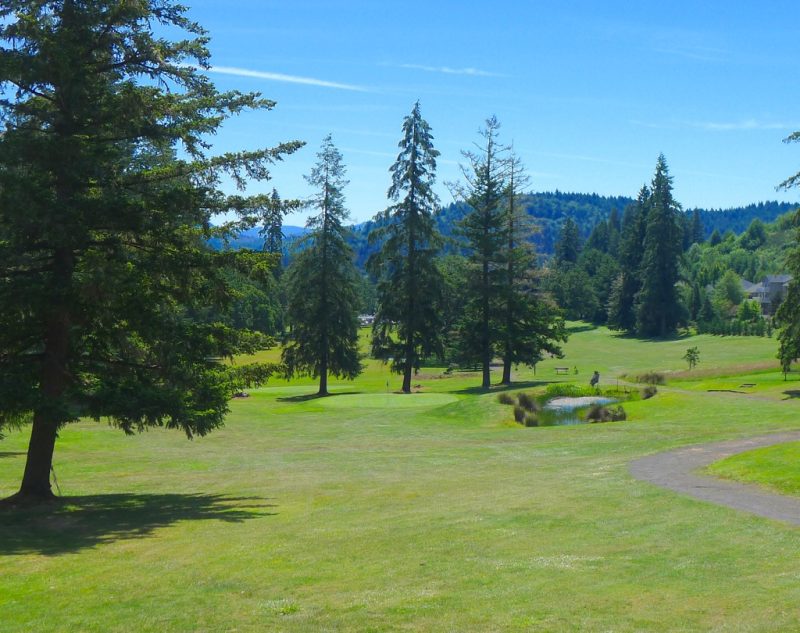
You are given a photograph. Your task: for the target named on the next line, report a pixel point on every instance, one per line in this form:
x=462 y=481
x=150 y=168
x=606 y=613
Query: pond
x=564 y=411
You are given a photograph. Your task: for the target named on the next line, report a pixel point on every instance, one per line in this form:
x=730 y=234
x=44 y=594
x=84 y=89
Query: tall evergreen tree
x=622 y=297
x=658 y=309
x=322 y=283
x=568 y=246
x=698 y=232
x=484 y=229
x=529 y=325
x=272 y=222
x=103 y=227
x=788 y=314
x=408 y=323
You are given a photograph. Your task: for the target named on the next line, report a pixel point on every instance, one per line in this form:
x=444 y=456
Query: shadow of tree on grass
x=316 y=396
x=527 y=384
x=69 y=524
x=792 y=393
x=11 y=454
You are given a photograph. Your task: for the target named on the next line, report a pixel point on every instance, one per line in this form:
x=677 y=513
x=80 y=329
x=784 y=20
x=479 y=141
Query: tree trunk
x=486 y=348
x=506 y=373
x=36 y=480
x=323 y=378
x=407 y=376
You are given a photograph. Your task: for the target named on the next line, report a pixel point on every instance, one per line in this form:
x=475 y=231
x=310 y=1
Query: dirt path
x=675 y=470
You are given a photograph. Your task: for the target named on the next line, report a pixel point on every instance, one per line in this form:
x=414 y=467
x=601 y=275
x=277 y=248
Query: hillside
x=549 y=210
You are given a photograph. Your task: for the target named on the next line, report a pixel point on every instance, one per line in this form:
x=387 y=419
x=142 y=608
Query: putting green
x=388 y=401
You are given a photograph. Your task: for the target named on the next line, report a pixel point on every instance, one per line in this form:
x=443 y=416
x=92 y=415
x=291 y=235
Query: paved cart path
x=675 y=470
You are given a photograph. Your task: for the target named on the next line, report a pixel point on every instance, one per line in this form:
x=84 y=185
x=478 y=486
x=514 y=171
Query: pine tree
x=484 y=229
x=408 y=321
x=322 y=283
x=103 y=227
x=530 y=326
x=658 y=310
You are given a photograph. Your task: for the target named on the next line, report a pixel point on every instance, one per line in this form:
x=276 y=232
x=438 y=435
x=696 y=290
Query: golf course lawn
x=374 y=511
x=776 y=467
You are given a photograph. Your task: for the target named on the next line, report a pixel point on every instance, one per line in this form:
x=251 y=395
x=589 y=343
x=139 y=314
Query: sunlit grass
x=776 y=467
x=373 y=511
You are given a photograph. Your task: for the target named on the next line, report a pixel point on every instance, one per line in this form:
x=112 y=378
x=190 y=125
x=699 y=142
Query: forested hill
x=739 y=218
x=549 y=210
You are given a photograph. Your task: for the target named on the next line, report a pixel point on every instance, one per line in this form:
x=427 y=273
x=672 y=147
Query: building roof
x=777 y=279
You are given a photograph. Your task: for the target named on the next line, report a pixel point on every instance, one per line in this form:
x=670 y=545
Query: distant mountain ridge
x=548 y=209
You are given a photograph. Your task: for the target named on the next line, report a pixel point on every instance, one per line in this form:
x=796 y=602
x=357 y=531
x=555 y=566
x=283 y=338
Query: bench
x=562 y=370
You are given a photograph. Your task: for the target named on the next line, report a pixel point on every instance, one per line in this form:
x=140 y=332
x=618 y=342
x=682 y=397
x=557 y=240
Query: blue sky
x=588 y=92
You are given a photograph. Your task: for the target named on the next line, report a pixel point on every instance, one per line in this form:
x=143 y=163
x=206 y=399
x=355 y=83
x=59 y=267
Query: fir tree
x=530 y=326
x=484 y=229
x=408 y=324
x=272 y=222
x=568 y=247
x=103 y=227
x=622 y=297
x=658 y=310
x=698 y=232
x=322 y=283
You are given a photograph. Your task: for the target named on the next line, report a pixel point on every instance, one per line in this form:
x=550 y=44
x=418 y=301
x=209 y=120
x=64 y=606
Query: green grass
x=776 y=467
x=372 y=511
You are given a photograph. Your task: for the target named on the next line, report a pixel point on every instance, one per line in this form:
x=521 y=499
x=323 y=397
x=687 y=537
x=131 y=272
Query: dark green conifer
x=568 y=246
x=103 y=223
x=322 y=283
x=658 y=310
x=530 y=326
x=485 y=231
x=408 y=321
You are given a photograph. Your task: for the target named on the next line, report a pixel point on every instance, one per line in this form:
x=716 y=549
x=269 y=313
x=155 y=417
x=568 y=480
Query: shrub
x=649 y=392
x=519 y=414
x=531 y=420
x=527 y=402
x=505 y=398
x=599 y=413
x=652 y=378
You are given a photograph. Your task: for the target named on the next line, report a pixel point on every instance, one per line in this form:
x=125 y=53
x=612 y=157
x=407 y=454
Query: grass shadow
x=70 y=524
x=11 y=454
x=791 y=393
x=585 y=327
x=315 y=396
x=678 y=336
x=525 y=384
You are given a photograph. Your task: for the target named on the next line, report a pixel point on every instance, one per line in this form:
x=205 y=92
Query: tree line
x=114 y=307
x=472 y=307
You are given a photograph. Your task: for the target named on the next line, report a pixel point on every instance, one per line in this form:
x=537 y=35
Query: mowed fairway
x=372 y=511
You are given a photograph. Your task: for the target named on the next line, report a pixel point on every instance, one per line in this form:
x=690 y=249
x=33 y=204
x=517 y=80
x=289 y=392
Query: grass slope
x=372 y=511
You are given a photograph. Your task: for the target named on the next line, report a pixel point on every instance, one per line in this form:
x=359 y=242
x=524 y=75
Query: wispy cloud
x=697 y=53
x=745 y=125
x=291 y=79
x=447 y=70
